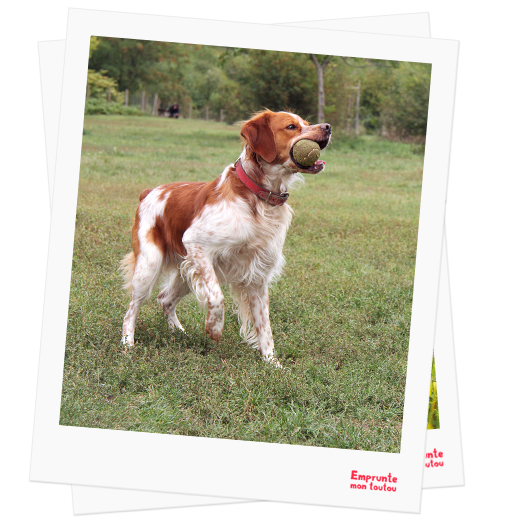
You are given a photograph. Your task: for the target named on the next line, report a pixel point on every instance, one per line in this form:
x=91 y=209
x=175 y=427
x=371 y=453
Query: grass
x=433 y=417
x=340 y=314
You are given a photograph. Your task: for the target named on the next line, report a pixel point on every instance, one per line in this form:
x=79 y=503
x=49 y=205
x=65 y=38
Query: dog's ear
x=259 y=135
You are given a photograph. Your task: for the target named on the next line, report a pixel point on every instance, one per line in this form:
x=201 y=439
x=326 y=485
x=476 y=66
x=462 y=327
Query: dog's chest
x=244 y=246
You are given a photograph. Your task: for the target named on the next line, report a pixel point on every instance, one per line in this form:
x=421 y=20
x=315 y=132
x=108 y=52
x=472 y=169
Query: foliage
x=206 y=83
x=406 y=104
x=139 y=63
x=99 y=83
x=271 y=79
x=393 y=101
x=281 y=81
x=96 y=106
x=375 y=87
x=94 y=43
x=337 y=83
x=433 y=417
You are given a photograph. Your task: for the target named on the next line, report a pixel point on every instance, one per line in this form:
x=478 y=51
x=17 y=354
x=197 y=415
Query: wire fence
x=151 y=104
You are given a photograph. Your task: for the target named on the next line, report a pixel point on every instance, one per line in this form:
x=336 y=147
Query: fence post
x=222 y=115
x=357 y=126
x=88 y=91
x=154 y=105
x=207 y=111
x=109 y=94
x=190 y=109
x=126 y=97
x=143 y=101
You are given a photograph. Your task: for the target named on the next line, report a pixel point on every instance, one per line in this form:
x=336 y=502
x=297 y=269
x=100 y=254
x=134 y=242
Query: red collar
x=276 y=199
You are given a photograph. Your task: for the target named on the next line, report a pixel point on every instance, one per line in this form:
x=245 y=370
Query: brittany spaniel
x=196 y=236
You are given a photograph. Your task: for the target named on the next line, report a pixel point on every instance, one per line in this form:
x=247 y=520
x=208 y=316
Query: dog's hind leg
x=146 y=274
x=169 y=297
x=259 y=305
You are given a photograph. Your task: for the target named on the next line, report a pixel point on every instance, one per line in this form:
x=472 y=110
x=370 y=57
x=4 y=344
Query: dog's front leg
x=198 y=270
x=259 y=305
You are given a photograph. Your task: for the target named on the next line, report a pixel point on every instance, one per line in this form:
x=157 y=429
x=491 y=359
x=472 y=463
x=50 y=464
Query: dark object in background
x=171 y=112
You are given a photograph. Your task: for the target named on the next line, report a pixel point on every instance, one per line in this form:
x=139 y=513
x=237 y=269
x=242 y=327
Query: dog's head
x=271 y=136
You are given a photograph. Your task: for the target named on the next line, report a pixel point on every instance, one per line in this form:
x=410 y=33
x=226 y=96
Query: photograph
x=244 y=260
x=245 y=244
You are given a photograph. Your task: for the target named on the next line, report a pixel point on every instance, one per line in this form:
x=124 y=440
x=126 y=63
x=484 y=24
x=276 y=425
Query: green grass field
x=340 y=314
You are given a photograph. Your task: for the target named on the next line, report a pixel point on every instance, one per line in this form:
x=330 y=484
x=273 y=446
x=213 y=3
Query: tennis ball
x=306 y=152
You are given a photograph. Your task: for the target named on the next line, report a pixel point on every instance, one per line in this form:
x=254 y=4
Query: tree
x=377 y=84
x=94 y=43
x=273 y=79
x=99 y=84
x=320 y=67
x=139 y=63
x=406 y=107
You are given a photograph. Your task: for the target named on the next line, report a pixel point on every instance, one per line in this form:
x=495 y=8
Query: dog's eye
x=291 y=126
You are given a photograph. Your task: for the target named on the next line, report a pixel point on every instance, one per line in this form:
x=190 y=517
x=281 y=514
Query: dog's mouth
x=319 y=165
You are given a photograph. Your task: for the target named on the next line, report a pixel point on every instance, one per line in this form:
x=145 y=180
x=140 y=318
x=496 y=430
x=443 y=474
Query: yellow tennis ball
x=306 y=152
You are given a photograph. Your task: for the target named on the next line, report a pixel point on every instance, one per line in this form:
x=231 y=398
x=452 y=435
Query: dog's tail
x=127 y=268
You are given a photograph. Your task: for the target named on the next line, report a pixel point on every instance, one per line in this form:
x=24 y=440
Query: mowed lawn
x=340 y=314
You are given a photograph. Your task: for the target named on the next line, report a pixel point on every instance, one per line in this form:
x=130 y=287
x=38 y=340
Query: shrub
x=96 y=106
x=99 y=84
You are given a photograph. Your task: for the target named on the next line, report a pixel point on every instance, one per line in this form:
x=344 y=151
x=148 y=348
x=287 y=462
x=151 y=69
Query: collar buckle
x=277 y=199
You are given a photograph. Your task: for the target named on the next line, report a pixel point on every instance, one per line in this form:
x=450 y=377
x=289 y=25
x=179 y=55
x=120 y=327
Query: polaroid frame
x=203 y=465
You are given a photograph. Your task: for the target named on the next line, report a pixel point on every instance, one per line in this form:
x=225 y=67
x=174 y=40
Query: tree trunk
x=321 y=85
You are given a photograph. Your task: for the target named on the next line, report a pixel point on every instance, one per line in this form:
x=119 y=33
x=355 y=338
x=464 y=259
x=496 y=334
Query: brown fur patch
x=143 y=194
x=259 y=135
x=185 y=202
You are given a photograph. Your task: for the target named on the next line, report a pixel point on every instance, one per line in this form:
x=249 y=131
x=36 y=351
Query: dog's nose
x=326 y=127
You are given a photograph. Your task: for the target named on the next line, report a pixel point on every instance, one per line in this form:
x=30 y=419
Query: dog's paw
x=127 y=341
x=273 y=361
x=215 y=323
x=214 y=330
x=173 y=323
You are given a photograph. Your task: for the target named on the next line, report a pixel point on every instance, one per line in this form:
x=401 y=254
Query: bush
x=98 y=84
x=96 y=106
x=406 y=108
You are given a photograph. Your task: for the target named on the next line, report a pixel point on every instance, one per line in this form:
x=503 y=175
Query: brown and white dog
x=199 y=235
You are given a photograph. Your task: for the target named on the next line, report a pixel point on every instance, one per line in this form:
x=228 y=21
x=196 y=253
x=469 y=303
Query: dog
x=197 y=236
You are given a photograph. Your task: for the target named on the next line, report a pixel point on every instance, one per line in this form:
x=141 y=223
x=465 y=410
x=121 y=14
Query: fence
x=476 y=28
x=151 y=104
